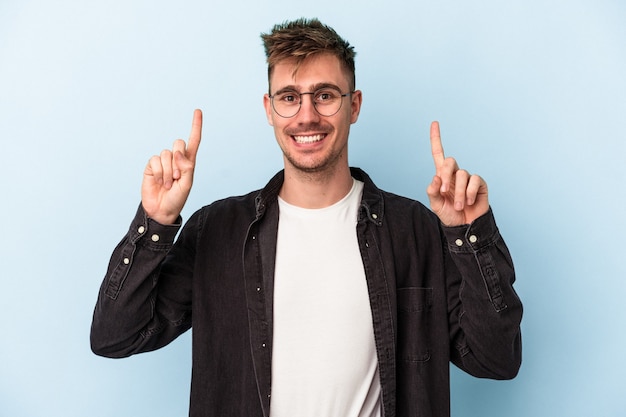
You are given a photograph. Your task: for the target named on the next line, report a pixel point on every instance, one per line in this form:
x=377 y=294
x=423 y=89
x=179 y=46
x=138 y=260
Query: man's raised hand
x=455 y=196
x=168 y=177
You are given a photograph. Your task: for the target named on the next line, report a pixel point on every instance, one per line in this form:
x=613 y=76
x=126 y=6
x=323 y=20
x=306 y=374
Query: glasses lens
x=287 y=103
x=327 y=101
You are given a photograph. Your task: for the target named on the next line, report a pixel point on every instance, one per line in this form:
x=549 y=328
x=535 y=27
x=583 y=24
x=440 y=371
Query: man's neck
x=316 y=190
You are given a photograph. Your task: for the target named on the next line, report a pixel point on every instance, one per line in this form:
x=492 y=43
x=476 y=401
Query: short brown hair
x=302 y=38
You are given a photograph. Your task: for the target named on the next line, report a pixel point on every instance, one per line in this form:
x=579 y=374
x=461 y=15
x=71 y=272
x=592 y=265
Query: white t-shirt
x=324 y=356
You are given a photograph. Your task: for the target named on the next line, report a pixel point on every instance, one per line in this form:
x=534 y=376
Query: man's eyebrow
x=312 y=88
x=288 y=88
x=319 y=86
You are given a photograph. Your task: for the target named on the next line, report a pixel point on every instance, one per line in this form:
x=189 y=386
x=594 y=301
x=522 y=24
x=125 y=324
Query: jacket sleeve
x=484 y=310
x=131 y=314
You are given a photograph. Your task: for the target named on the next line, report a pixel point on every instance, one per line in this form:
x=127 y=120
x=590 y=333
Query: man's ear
x=355 y=103
x=267 y=103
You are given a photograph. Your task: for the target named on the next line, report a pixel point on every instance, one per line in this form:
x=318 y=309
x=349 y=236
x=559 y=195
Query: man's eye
x=289 y=98
x=325 y=96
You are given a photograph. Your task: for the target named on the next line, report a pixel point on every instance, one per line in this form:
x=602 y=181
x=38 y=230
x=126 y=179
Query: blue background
x=530 y=94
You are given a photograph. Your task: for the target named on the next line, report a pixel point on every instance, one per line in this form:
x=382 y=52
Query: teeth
x=308 y=139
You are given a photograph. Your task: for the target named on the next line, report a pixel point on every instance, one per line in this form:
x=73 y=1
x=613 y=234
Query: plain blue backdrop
x=529 y=93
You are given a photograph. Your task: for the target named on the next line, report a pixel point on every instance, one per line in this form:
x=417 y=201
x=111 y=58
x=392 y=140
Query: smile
x=309 y=139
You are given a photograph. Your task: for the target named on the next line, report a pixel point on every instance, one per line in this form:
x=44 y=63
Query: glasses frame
x=312 y=93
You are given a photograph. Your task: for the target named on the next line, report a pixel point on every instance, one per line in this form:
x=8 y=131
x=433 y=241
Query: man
x=319 y=295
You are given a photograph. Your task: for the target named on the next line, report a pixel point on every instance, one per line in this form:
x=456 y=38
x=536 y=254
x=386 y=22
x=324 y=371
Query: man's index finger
x=435 y=145
x=196 y=135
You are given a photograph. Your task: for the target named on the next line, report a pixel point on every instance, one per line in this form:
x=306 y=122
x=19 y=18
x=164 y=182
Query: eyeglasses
x=326 y=101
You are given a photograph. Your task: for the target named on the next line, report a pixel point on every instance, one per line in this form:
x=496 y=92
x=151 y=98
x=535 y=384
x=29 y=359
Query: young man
x=319 y=295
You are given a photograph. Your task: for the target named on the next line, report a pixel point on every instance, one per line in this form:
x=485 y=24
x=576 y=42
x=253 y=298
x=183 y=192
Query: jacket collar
x=372 y=203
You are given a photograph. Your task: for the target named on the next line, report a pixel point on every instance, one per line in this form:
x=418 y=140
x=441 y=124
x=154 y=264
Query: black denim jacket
x=437 y=295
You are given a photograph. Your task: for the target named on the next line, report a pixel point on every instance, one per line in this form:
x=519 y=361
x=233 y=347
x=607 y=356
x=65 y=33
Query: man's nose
x=307 y=108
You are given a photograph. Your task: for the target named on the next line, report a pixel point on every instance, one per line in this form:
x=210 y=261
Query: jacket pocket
x=414 y=305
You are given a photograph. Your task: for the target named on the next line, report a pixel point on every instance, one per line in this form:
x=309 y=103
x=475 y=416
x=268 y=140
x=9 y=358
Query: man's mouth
x=309 y=138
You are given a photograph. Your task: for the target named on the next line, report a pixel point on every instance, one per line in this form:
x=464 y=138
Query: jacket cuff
x=472 y=237
x=153 y=233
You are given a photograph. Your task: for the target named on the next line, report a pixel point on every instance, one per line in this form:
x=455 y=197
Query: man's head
x=303 y=38
x=311 y=101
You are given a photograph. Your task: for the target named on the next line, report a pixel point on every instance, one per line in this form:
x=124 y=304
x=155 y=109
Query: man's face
x=311 y=142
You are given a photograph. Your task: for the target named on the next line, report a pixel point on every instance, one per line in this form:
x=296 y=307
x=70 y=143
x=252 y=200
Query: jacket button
x=473 y=239
x=155 y=238
x=126 y=261
x=459 y=242
x=141 y=229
